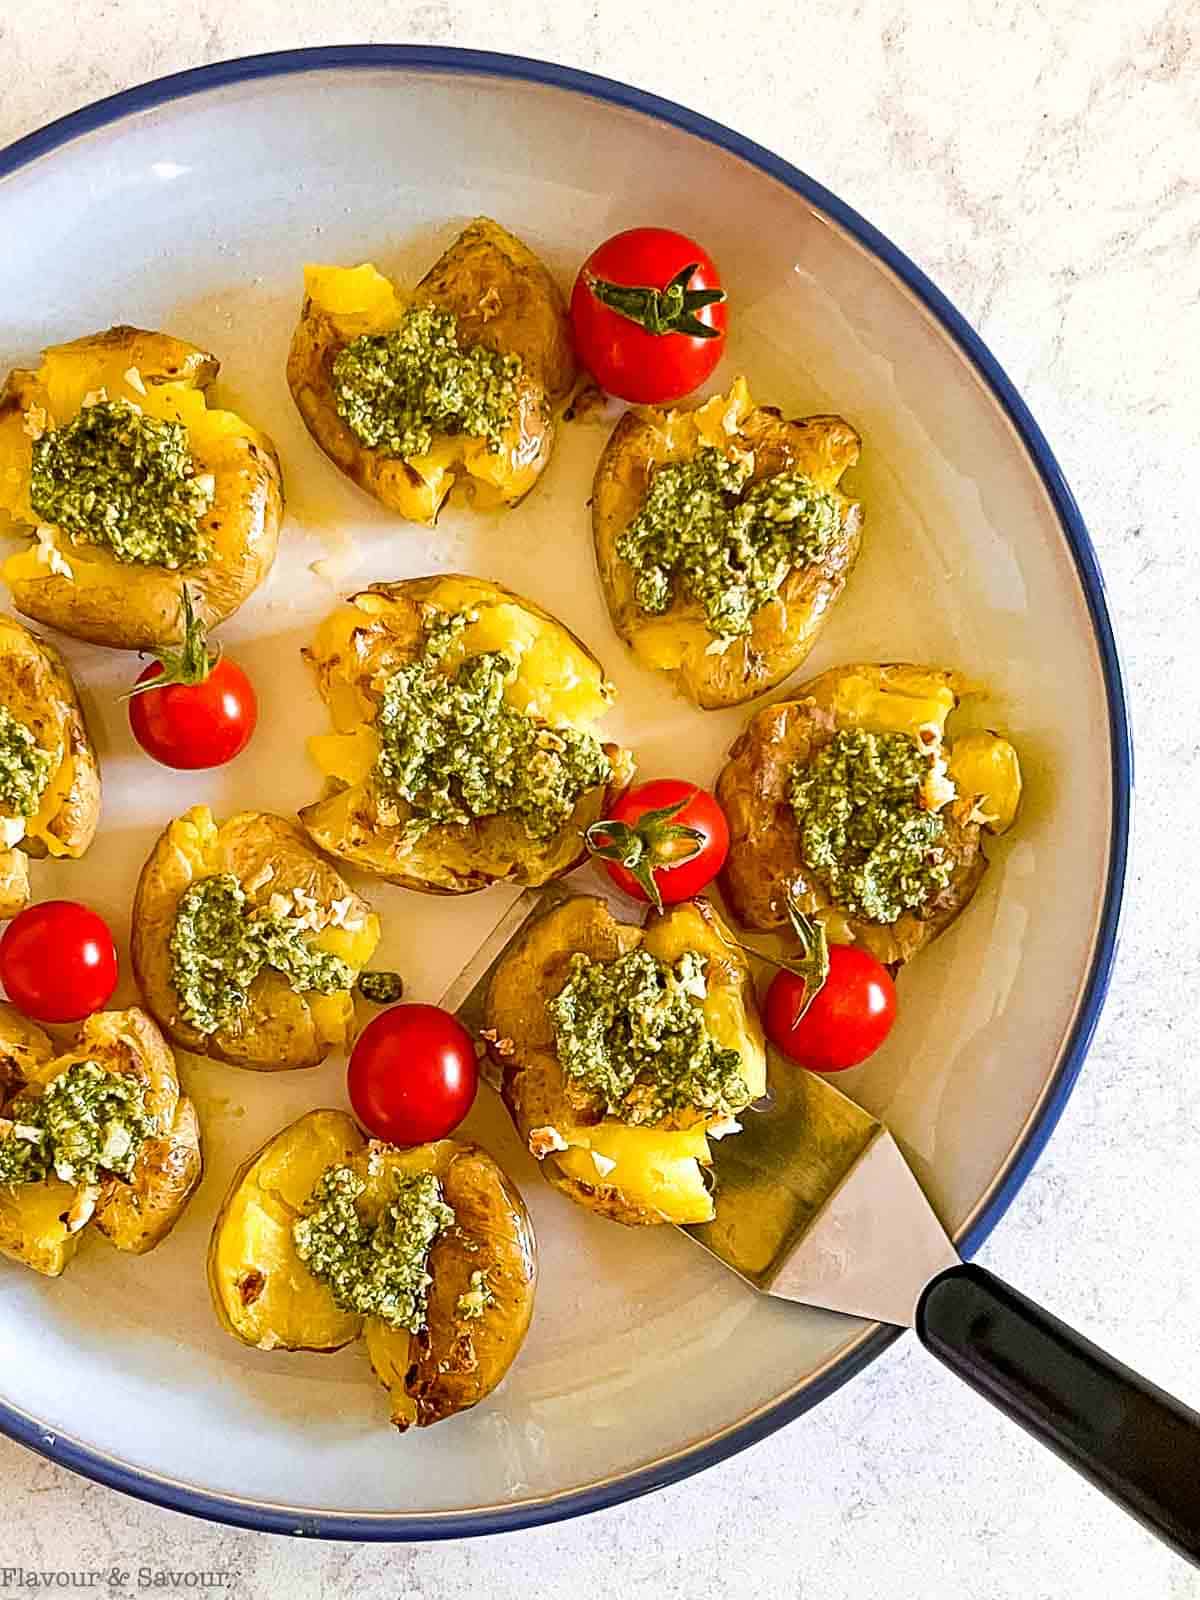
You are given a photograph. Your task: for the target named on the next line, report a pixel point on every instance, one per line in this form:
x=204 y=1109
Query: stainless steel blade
x=815 y=1203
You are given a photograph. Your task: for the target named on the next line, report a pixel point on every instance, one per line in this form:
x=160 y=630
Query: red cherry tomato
x=665 y=841
x=58 y=962
x=413 y=1074
x=648 y=315
x=850 y=1017
x=203 y=712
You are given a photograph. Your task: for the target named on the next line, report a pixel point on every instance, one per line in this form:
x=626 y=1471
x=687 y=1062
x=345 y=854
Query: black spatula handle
x=1134 y=1441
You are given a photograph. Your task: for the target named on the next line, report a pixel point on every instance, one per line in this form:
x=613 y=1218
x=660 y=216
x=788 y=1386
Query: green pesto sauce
x=862 y=830
x=396 y=390
x=454 y=749
x=377 y=1269
x=476 y=1298
x=86 y=1123
x=631 y=1032
x=218 y=948
x=702 y=532
x=24 y=768
x=114 y=477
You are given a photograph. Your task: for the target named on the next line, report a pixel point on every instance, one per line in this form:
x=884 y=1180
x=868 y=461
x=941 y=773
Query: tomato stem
x=191 y=663
x=813 y=965
x=661 y=311
x=654 y=841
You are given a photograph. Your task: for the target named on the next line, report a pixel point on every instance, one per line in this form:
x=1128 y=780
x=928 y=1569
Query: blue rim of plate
x=432 y=58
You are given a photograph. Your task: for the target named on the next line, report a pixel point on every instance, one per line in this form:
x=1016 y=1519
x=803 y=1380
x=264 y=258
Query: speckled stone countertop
x=1038 y=158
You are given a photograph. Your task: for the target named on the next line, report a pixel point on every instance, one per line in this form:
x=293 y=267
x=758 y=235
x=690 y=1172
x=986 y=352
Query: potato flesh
x=266 y=1296
x=31 y=1227
x=263 y=1292
x=985 y=768
x=725 y=1014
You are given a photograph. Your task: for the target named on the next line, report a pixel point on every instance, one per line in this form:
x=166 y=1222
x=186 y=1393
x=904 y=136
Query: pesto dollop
x=862 y=828
x=24 y=768
x=702 y=533
x=396 y=390
x=454 y=749
x=631 y=1033
x=115 y=477
x=218 y=948
x=87 y=1122
x=377 y=1269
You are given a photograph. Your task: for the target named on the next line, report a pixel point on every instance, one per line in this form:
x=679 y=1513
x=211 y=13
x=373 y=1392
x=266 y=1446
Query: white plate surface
x=197 y=217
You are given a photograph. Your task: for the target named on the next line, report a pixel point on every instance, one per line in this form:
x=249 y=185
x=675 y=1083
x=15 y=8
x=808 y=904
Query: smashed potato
x=279 y=1027
x=504 y=300
x=765 y=860
x=83 y=588
x=266 y=1297
x=37 y=690
x=41 y=1223
x=557 y=681
x=711 y=671
x=633 y=1174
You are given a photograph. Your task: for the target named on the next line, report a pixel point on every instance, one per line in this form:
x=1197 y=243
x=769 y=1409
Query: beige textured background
x=1041 y=160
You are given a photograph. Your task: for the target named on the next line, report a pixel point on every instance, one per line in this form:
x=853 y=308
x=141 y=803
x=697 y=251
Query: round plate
x=191 y=205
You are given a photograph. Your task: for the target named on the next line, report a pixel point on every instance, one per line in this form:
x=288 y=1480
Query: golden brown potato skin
x=265 y=1296
x=764 y=854
x=456 y=1361
x=280 y=1029
x=450 y=859
x=504 y=299
x=38 y=690
x=785 y=629
x=135 y=1215
x=129 y=605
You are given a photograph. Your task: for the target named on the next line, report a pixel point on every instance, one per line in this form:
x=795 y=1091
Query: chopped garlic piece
x=339 y=912
x=603 y=1164
x=94 y=397
x=279 y=905
x=720 y=644
x=117 y=1141
x=50 y=555
x=937 y=789
x=12 y=831
x=35 y=422
x=134 y=379
x=720 y=1130
x=82 y=1207
x=545 y=1141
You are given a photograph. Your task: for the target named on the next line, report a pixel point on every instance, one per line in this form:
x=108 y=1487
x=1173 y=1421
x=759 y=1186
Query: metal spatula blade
x=816 y=1204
